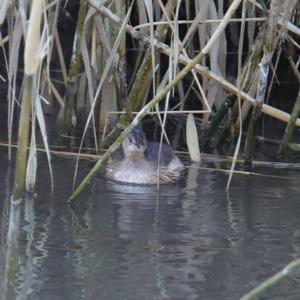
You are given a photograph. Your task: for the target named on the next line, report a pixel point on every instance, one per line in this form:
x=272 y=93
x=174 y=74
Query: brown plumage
x=137 y=162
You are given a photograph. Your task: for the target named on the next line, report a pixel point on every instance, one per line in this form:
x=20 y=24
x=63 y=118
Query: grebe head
x=135 y=143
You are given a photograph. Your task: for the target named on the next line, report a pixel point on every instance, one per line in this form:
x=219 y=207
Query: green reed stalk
x=290 y=126
x=270 y=282
x=250 y=139
x=31 y=63
x=294 y=115
x=75 y=66
x=23 y=138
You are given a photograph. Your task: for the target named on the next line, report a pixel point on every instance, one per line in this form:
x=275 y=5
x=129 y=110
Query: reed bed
x=99 y=68
x=96 y=69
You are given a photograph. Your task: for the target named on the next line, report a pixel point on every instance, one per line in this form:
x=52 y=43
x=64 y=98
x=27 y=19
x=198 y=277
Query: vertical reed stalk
x=290 y=126
x=23 y=137
x=108 y=33
x=31 y=63
x=250 y=139
x=294 y=115
x=121 y=9
x=257 y=110
x=219 y=116
x=75 y=66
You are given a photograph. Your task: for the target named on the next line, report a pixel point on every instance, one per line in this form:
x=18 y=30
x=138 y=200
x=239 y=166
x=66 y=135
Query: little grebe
x=137 y=162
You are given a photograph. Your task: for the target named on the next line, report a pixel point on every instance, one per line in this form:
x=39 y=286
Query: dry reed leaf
x=51 y=13
x=217 y=56
x=182 y=94
x=55 y=91
x=142 y=15
x=201 y=15
x=149 y=9
x=165 y=14
x=3 y=9
x=85 y=54
x=12 y=74
x=108 y=95
x=42 y=125
x=102 y=36
x=179 y=46
x=23 y=11
x=202 y=6
x=251 y=25
x=94 y=45
x=87 y=64
x=61 y=58
x=187 y=9
x=31 y=57
x=175 y=40
x=222 y=54
x=192 y=139
x=3 y=40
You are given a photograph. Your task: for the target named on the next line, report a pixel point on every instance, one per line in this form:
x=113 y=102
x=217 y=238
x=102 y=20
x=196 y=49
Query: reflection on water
x=187 y=241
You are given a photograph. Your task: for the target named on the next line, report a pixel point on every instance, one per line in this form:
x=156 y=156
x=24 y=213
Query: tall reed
x=31 y=63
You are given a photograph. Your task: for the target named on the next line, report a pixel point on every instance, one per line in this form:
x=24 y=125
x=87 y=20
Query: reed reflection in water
x=187 y=241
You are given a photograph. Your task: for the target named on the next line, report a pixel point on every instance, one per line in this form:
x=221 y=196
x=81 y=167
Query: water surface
x=187 y=241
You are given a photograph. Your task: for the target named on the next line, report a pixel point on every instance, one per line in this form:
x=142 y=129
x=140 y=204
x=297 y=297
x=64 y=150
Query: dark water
x=189 y=241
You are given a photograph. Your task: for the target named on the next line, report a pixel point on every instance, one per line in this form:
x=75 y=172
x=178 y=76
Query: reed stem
x=270 y=282
x=250 y=139
x=294 y=115
x=23 y=137
x=74 y=69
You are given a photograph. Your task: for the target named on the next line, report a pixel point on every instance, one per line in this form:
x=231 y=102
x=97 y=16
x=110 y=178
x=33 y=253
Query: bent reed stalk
x=272 y=281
